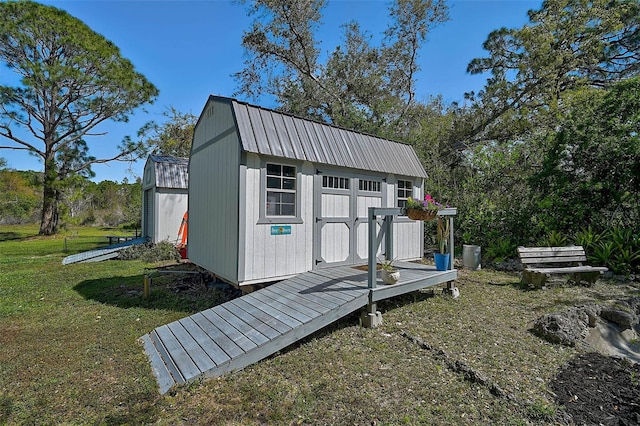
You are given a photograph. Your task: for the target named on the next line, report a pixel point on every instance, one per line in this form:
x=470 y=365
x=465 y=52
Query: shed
x=272 y=195
x=165 y=187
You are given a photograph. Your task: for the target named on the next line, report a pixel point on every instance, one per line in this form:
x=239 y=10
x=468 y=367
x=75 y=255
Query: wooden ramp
x=245 y=330
x=99 y=255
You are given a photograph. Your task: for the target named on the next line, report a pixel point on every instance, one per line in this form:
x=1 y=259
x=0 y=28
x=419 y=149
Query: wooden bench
x=541 y=262
x=113 y=239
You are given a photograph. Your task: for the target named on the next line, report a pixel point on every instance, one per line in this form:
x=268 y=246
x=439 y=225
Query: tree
x=361 y=86
x=567 y=45
x=72 y=79
x=19 y=200
x=507 y=131
x=174 y=136
x=591 y=172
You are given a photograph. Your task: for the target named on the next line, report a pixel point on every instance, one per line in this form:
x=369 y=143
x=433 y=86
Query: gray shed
x=165 y=187
x=272 y=195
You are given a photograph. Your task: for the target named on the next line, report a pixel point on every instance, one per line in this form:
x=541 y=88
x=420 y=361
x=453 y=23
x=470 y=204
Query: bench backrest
x=543 y=255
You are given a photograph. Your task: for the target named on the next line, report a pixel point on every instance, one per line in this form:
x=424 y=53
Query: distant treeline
x=83 y=202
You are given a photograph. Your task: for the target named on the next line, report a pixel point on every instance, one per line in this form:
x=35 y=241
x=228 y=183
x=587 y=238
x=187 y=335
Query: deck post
x=450 y=213
x=372 y=317
x=388 y=228
x=373 y=249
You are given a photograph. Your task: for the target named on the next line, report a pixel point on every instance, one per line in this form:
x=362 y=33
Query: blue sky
x=190 y=49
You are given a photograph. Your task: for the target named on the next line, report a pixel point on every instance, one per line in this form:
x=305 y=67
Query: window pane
x=274 y=182
x=288 y=184
x=272 y=203
x=274 y=169
x=281 y=195
x=288 y=210
x=288 y=198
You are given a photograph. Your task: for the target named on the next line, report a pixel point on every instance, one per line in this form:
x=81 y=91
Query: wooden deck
x=245 y=330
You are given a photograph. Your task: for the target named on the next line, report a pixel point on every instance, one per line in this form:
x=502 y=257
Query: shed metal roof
x=269 y=132
x=171 y=172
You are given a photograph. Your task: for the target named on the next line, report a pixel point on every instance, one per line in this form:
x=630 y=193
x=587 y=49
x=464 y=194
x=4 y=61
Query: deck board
x=267 y=324
x=227 y=329
x=219 y=346
x=178 y=352
x=269 y=309
x=186 y=337
x=316 y=298
x=288 y=294
x=250 y=328
x=252 y=331
x=300 y=304
x=303 y=288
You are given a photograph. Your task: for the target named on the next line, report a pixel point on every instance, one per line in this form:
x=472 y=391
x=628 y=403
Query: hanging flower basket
x=423 y=210
x=421 y=214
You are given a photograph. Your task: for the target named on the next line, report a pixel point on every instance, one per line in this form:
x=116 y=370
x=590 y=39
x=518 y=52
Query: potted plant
x=422 y=210
x=388 y=272
x=442 y=257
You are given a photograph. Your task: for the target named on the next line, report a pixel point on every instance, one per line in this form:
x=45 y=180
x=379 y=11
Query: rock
x=620 y=317
x=593 y=313
x=566 y=328
x=633 y=304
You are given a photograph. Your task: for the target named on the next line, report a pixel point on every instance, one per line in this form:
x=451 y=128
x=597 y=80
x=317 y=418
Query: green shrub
x=501 y=249
x=587 y=238
x=150 y=252
x=554 y=239
x=618 y=249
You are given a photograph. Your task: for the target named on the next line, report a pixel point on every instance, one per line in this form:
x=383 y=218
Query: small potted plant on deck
x=388 y=272
x=442 y=257
x=422 y=210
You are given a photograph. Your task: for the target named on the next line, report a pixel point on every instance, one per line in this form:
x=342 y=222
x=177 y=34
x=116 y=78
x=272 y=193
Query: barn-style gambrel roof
x=269 y=132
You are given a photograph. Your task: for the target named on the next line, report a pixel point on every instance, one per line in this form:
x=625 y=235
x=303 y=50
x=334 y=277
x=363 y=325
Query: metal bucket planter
x=471 y=257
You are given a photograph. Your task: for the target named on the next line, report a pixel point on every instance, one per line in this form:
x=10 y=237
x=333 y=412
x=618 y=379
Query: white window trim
x=397 y=198
x=263 y=218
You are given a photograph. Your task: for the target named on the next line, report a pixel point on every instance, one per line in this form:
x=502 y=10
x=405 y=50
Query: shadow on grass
x=75 y=245
x=10 y=236
x=518 y=285
x=174 y=293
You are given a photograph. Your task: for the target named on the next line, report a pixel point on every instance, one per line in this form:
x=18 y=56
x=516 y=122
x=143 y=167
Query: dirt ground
x=599 y=390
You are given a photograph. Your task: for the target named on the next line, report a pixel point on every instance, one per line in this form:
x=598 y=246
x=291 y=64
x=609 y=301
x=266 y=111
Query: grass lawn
x=69 y=350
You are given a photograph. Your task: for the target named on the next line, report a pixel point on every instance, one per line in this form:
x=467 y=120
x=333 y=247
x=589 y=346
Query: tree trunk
x=51 y=195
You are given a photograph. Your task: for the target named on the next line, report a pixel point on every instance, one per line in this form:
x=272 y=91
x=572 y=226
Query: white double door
x=341 y=227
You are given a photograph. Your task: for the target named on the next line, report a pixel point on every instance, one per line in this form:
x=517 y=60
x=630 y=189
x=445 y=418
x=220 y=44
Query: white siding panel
x=335 y=205
x=407 y=240
x=171 y=207
x=270 y=257
x=335 y=242
x=363 y=240
x=365 y=202
x=213 y=188
x=254 y=261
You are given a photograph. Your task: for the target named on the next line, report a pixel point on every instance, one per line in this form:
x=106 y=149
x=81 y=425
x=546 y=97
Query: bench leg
x=591 y=277
x=533 y=279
